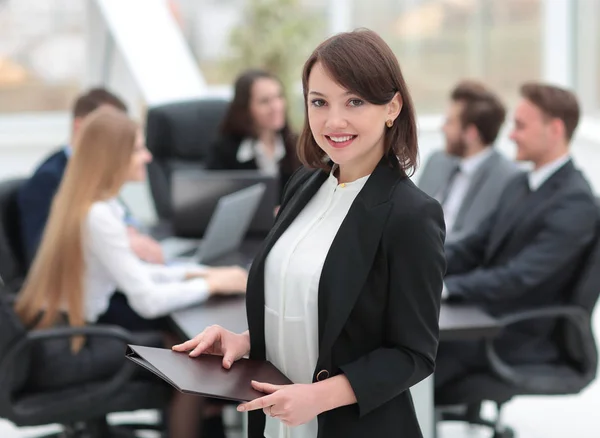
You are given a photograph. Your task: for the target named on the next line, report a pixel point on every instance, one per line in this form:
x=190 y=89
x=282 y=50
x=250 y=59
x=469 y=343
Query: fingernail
x=241 y=409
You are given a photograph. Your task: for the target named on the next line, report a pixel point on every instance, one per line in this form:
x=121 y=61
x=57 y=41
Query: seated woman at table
x=85 y=257
x=255 y=134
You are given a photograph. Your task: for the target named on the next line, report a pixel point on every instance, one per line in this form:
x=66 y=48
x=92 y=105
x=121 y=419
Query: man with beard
x=527 y=254
x=468 y=177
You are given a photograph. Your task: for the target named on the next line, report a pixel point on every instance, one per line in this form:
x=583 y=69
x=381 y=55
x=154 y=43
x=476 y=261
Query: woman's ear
x=394 y=107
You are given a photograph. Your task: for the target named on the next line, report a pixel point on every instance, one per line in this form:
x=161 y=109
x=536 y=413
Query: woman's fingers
x=200 y=343
x=206 y=341
x=188 y=345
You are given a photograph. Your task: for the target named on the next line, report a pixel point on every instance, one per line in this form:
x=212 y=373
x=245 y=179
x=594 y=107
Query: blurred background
x=155 y=51
x=51 y=50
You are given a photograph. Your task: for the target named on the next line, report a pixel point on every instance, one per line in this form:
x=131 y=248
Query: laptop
x=195 y=194
x=225 y=232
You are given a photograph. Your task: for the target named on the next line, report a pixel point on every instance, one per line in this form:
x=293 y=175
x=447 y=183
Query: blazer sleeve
x=558 y=243
x=35 y=200
x=415 y=247
x=466 y=253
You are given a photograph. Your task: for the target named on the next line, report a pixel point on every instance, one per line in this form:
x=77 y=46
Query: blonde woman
x=85 y=256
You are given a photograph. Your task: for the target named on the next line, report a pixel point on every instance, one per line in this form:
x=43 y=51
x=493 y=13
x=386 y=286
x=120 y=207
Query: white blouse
x=253 y=149
x=110 y=265
x=292 y=272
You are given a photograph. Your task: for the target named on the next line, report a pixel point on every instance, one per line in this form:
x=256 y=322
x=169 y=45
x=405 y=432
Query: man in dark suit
x=468 y=177
x=526 y=254
x=35 y=196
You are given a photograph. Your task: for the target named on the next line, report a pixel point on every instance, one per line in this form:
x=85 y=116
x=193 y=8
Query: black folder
x=205 y=375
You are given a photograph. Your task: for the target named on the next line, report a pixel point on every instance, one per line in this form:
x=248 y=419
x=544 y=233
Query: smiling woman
x=345 y=294
x=353 y=93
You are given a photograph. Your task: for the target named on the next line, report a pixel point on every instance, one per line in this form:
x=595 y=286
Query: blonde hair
x=96 y=171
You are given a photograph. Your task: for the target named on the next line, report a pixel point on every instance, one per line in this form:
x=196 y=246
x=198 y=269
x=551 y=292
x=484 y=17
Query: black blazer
x=379 y=301
x=222 y=155
x=35 y=199
x=525 y=256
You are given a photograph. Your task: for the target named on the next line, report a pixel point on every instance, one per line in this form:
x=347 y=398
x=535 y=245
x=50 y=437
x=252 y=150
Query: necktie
x=445 y=190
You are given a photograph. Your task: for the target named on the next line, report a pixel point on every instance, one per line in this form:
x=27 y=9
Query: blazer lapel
x=255 y=298
x=443 y=176
x=474 y=189
x=524 y=210
x=352 y=253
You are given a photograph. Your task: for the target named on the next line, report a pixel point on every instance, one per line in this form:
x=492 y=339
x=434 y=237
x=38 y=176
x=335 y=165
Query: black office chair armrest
x=107 y=331
x=577 y=316
x=106 y=390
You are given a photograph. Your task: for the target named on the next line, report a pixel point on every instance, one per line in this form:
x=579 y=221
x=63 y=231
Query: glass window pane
x=439 y=42
x=208 y=27
x=42 y=54
x=597 y=54
x=586 y=66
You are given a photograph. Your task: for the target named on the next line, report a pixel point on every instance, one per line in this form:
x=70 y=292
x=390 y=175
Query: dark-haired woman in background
x=255 y=134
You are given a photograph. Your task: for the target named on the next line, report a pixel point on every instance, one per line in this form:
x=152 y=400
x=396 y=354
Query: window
x=42 y=54
x=208 y=25
x=439 y=42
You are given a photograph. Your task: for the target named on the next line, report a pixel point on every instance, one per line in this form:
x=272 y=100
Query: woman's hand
x=293 y=405
x=225 y=280
x=218 y=341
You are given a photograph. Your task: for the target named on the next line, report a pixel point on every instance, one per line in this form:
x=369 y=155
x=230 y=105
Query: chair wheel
x=506 y=433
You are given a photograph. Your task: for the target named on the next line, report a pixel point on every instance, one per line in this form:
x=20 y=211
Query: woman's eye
x=317 y=102
x=355 y=102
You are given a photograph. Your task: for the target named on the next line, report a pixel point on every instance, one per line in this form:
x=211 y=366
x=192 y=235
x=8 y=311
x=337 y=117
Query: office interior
x=156 y=53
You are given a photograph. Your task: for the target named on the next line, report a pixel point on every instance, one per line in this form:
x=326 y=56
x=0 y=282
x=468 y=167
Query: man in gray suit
x=527 y=254
x=468 y=177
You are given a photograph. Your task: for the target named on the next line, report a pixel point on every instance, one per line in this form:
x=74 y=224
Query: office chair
x=80 y=409
x=179 y=136
x=12 y=259
x=573 y=334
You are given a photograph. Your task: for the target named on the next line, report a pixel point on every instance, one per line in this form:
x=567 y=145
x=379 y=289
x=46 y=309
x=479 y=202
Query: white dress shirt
x=292 y=273
x=460 y=186
x=110 y=264
x=540 y=176
x=253 y=149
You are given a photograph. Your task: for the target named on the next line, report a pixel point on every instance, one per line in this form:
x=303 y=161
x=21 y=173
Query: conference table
x=457 y=322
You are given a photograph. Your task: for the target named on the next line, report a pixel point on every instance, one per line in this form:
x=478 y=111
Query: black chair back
x=13 y=373
x=582 y=353
x=12 y=260
x=179 y=136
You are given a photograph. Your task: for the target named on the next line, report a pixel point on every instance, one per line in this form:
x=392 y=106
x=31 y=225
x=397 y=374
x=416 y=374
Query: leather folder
x=205 y=375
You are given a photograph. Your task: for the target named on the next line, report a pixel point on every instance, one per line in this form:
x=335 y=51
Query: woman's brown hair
x=96 y=171
x=364 y=64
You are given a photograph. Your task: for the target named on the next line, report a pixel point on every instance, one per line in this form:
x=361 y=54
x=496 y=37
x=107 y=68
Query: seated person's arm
x=106 y=237
x=145 y=247
x=565 y=234
x=35 y=200
x=467 y=253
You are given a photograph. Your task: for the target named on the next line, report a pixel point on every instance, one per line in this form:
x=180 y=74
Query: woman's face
x=267 y=105
x=346 y=127
x=140 y=157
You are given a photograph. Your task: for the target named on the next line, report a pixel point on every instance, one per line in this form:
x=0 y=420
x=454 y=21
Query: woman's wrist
x=246 y=336
x=334 y=393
